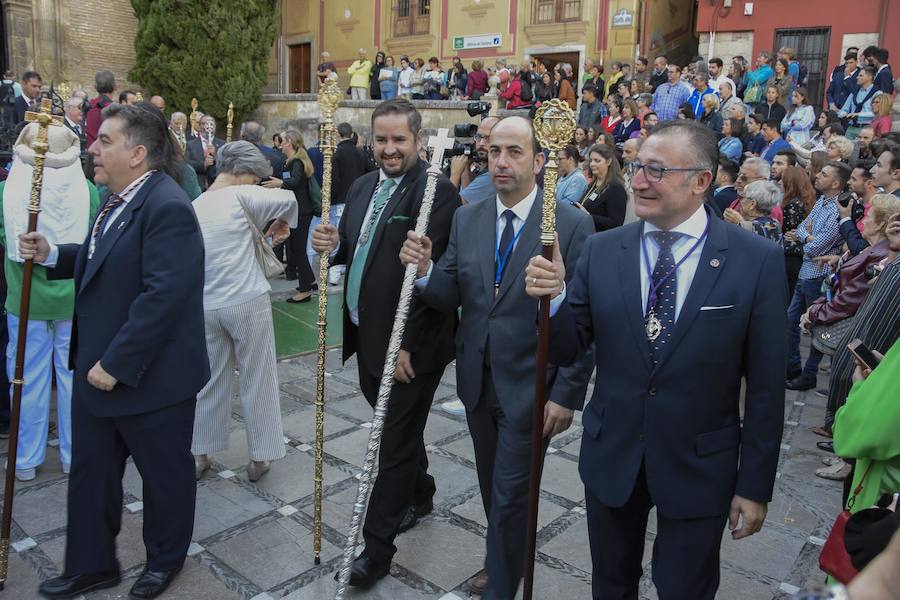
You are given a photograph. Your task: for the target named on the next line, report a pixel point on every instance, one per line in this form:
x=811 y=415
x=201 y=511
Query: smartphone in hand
x=862 y=353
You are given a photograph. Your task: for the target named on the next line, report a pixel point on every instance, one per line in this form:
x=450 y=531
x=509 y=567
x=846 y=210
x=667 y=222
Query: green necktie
x=354 y=279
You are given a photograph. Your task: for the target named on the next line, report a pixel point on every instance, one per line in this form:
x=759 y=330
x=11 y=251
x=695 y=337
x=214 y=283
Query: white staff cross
x=439 y=144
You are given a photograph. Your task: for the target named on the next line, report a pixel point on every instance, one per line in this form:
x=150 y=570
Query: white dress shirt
x=692 y=229
x=521 y=210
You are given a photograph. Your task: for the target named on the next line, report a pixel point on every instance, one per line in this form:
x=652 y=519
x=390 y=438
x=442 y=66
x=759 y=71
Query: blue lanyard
x=501 y=261
x=652 y=297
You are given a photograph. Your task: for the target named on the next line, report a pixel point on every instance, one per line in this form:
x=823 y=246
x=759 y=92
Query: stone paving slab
x=254 y=541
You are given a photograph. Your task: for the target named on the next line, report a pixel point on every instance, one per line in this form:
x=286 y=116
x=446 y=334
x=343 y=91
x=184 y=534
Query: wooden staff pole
x=41 y=145
x=554 y=125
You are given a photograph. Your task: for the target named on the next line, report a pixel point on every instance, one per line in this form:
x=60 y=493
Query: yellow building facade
x=556 y=30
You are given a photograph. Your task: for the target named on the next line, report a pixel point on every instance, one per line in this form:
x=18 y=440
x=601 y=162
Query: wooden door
x=300 y=68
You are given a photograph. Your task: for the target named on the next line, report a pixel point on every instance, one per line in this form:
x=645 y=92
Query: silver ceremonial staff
x=329 y=98
x=439 y=144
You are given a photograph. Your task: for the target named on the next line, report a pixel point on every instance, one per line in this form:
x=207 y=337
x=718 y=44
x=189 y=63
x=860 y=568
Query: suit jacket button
x=652 y=391
x=642 y=436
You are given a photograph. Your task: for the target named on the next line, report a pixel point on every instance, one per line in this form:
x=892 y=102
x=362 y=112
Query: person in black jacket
x=31 y=95
x=254 y=132
x=299 y=170
x=605 y=199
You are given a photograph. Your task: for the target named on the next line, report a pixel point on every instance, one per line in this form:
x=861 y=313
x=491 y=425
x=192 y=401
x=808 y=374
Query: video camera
x=468 y=130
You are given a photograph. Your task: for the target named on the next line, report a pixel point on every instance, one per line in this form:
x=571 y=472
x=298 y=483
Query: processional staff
x=554 y=126
x=195 y=116
x=439 y=144
x=41 y=145
x=230 y=126
x=329 y=99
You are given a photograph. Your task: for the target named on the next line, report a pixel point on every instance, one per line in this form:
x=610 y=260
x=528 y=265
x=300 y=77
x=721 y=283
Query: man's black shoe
x=801 y=383
x=75 y=585
x=413 y=514
x=793 y=373
x=152 y=583
x=366 y=571
x=826 y=446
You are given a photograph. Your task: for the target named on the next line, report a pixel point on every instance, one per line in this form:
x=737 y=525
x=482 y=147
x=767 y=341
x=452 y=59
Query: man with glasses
x=670 y=95
x=470 y=174
x=699 y=309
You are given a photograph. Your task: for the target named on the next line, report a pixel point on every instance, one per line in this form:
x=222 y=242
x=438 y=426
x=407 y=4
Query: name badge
x=285 y=175
x=592 y=197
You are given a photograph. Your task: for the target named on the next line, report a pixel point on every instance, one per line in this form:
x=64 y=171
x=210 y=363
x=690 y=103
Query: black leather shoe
x=413 y=514
x=69 y=587
x=366 y=571
x=801 y=383
x=152 y=583
x=793 y=373
x=826 y=446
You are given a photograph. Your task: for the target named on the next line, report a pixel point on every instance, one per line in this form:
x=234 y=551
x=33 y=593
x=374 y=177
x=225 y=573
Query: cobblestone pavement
x=254 y=541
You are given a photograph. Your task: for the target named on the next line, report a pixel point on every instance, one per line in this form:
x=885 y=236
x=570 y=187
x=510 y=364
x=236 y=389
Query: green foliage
x=214 y=50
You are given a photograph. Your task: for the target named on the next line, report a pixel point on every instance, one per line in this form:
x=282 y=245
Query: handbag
x=827 y=338
x=752 y=94
x=834 y=559
x=315 y=196
x=270 y=264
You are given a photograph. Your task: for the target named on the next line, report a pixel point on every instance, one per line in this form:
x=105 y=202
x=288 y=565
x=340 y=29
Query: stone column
x=20 y=39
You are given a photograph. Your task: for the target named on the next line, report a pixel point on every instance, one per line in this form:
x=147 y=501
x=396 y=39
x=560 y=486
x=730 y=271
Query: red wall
x=843 y=16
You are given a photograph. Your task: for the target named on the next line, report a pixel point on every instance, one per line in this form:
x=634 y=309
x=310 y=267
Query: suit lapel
x=397 y=197
x=714 y=251
x=525 y=247
x=630 y=284
x=486 y=238
x=114 y=231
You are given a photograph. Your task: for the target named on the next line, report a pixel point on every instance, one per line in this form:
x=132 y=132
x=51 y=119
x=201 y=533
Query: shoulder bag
x=834 y=559
x=827 y=338
x=270 y=264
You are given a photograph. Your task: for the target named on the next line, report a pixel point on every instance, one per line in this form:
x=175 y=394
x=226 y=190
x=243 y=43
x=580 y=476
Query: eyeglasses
x=655 y=173
x=479 y=138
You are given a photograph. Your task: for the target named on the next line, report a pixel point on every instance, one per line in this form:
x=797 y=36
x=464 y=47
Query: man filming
x=469 y=173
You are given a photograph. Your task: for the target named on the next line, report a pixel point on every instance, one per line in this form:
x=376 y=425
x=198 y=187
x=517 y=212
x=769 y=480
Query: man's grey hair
x=242 y=158
x=645 y=99
x=760 y=165
x=206 y=118
x=177 y=115
x=766 y=194
x=105 y=81
x=252 y=131
x=73 y=103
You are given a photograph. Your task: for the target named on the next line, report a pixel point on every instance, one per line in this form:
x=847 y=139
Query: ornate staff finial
x=554 y=126
x=195 y=117
x=230 y=115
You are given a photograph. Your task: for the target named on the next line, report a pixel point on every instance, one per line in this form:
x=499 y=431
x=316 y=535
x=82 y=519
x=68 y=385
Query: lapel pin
x=122 y=224
x=714 y=263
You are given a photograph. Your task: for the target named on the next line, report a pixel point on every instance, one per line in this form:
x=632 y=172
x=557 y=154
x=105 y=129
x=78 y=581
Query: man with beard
x=470 y=174
x=381 y=207
x=783 y=159
x=864 y=141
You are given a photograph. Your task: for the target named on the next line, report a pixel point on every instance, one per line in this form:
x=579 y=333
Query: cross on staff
x=40 y=145
x=439 y=144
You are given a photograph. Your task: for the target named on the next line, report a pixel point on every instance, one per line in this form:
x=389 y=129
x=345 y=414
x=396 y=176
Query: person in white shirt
x=405 y=81
x=717 y=75
x=238 y=311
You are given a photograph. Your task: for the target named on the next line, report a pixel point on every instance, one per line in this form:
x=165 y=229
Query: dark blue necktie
x=506 y=241
x=665 y=302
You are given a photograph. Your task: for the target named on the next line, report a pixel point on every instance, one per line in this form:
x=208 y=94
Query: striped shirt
x=820 y=234
x=876 y=323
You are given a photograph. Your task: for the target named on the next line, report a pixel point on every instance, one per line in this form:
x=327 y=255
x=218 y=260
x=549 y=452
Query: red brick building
x=819 y=29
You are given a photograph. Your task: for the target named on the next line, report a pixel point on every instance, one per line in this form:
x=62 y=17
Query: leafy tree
x=214 y=50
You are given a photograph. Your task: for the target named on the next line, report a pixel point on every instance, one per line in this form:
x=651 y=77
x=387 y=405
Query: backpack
x=527 y=93
x=7 y=94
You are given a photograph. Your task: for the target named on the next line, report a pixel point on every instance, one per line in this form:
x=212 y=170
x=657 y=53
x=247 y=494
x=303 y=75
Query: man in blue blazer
x=679 y=309
x=139 y=354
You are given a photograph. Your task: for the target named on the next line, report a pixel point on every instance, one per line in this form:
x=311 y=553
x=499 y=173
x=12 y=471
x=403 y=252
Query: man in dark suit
x=496 y=345
x=348 y=164
x=74 y=117
x=200 y=152
x=253 y=132
x=381 y=207
x=31 y=95
x=138 y=350
x=726 y=177
x=672 y=344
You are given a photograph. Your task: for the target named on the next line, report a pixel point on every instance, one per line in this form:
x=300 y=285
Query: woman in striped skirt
x=238 y=312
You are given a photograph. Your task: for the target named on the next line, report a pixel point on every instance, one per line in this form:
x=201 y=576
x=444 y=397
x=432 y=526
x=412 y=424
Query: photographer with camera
x=468 y=169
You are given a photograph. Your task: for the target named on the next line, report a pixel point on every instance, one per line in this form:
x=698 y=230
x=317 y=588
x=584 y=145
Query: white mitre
x=65 y=198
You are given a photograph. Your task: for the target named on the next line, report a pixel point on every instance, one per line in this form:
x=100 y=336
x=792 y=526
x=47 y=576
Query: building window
x=556 y=11
x=411 y=17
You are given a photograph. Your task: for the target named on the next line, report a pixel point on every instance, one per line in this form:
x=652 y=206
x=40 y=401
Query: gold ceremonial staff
x=230 y=126
x=329 y=98
x=195 y=117
x=40 y=146
x=554 y=126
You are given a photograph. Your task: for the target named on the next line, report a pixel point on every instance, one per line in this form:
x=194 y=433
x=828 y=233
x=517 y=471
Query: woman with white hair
x=757 y=202
x=239 y=330
x=839 y=148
